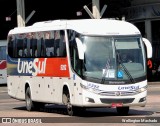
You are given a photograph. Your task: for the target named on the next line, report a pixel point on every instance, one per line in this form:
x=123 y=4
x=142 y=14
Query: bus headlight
x=141 y=89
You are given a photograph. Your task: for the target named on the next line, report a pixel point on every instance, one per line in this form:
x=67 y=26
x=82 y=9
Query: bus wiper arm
x=105 y=71
x=124 y=68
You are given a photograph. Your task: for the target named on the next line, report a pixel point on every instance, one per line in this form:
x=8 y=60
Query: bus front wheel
x=67 y=102
x=69 y=106
x=123 y=110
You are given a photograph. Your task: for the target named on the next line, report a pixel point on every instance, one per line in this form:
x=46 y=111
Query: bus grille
x=120 y=93
x=109 y=101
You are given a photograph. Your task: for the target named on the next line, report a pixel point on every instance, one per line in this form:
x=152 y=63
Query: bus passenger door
x=77 y=90
x=76 y=64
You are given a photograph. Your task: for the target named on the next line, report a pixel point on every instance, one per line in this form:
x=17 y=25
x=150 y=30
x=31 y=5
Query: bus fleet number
x=63 y=67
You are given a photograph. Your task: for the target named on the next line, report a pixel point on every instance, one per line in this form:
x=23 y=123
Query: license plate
x=116 y=105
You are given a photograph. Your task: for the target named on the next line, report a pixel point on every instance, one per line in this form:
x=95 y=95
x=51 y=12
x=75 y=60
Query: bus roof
x=83 y=26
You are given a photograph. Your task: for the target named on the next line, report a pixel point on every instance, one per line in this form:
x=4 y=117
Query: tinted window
x=2 y=52
x=40 y=44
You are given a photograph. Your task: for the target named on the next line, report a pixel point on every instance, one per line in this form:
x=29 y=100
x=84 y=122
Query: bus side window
x=62 y=44
x=71 y=38
x=19 y=52
x=10 y=46
x=56 y=47
x=39 y=47
x=24 y=48
x=43 y=49
x=33 y=48
x=75 y=62
x=3 y=52
x=56 y=43
x=49 y=47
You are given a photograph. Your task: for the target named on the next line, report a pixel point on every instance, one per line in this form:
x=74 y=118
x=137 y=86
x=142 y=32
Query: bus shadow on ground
x=90 y=112
x=3 y=85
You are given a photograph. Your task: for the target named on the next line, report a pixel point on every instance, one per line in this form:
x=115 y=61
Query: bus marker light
x=87 y=99
x=74 y=76
x=90 y=100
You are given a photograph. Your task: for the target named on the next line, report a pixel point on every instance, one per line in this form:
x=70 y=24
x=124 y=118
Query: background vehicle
x=78 y=63
x=3 y=63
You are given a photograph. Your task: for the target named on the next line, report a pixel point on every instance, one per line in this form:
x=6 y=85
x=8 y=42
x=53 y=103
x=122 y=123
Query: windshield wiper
x=105 y=71
x=124 y=68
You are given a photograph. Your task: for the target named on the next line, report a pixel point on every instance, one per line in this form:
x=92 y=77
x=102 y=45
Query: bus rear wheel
x=29 y=102
x=31 y=105
x=123 y=110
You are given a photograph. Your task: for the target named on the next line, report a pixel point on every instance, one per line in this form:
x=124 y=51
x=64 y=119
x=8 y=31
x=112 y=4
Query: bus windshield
x=113 y=58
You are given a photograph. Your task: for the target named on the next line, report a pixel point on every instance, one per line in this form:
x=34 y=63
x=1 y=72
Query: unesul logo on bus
x=128 y=87
x=27 y=67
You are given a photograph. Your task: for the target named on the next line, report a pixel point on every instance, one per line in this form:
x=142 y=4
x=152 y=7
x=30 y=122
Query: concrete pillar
x=148 y=30
x=20 y=13
x=96 y=9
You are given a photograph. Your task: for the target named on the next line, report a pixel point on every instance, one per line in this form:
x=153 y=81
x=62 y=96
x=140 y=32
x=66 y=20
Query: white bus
x=79 y=64
x=3 y=62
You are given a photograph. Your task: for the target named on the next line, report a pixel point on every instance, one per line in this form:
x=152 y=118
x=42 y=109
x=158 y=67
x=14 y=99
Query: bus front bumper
x=95 y=100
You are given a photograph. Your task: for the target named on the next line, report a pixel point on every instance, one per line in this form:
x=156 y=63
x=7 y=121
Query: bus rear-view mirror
x=80 y=48
x=148 y=47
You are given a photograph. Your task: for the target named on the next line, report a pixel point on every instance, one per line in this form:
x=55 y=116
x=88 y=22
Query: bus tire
x=123 y=111
x=70 y=108
x=29 y=102
x=66 y=101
